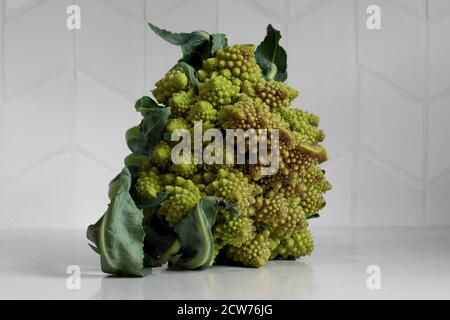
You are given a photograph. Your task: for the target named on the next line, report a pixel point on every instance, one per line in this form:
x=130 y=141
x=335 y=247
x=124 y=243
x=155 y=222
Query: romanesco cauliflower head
x=230 y=87
x=232 y=93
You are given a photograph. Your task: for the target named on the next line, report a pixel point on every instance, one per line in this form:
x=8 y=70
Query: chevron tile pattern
x=383 y=95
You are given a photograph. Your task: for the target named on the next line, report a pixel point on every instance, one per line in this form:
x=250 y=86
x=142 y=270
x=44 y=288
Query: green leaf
x=152 y=203
x=194 y=232
x=142 y=139
x=197 y=49
x=92 y=234
x=144 y=105
x=177 y=39
x=194 y=45
x=134 y=163
x=167 y=136
x=153 y=125
x=218 y=42
x=136 y=140
x=314 y=216
x=119 y=235
x=271 y=57
x=189 y=71
x=229 y=206
x=160 y=244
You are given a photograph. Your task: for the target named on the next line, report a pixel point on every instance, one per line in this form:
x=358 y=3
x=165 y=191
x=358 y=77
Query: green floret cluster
x=183 y=196
x=196 y=214
x=174 y=81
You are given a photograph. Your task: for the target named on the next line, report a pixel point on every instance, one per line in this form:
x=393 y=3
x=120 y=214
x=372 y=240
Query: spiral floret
x=174 y=81
x=235 y=230
x=202 y=111
x=181 y=102
x=161 y=155
x=304 y=124
x=218 y=91
x=276 y=95
x=184 y=195
x=235 y=187
x=254 y=253
x=313 y=185
x=298 y=245
x=148 y=184
x=240 y=61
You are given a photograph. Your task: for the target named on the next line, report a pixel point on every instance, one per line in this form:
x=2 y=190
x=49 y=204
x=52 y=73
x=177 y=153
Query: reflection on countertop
x=414 y=263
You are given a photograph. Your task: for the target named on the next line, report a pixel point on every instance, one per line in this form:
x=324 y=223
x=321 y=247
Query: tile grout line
x=58 y=70
x=120 y=11
x=23 y=10
x=425 y=51
x=406 y=12
x=284 y=11
x=308 y=10
x=357 y=123
x=146 y=44
x=2 y=107
x=217 y=16
x=263 y=11
x=169 y=9
x=392 y=85
x=389 y=165
x=73 y=174
x=61 y=151
x=103 y=83
x=2 y=90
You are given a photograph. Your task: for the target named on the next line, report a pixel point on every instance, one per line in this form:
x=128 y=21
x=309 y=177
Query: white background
x=67 y=99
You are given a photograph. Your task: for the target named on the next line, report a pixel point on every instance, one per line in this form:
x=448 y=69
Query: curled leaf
x=271 y=57
x=218 y=42
x=119 y=236
x=189 y=71
x=194 y=45
x=134 y=163
x=142 y=139
x=145 y=105
x=195 y=235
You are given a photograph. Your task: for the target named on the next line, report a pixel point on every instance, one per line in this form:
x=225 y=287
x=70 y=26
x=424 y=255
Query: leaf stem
x=173 y=250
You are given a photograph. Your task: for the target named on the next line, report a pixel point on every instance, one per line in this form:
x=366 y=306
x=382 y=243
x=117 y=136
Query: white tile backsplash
x=336 y=109
x=438 y=9
x=90 y=188
x=391 y=125
x=161 y=56
x=102 y=119
x=413 y=5
x=439 y=200
x=134 y=7
x=35 y=44
x=320 y=44
x=242 y=22
x=110 y=45
x=338 y=199
x=16 y=6
x=276 y=6
x=302 y=7
x=41 y=197
x=383 y=97
x=37 y=124
x=394 y=52
x=440 y=55
x=386 y=198
x=439 y=137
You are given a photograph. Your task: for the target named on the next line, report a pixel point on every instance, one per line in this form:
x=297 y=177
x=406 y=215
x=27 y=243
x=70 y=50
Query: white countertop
x=414 y=264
